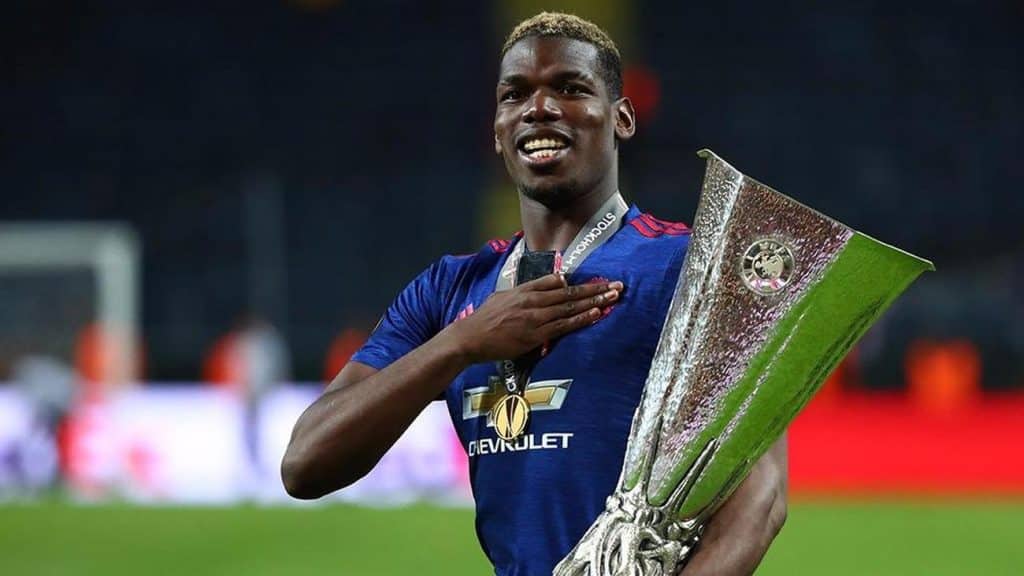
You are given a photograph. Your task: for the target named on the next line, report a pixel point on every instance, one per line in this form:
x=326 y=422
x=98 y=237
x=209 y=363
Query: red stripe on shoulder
x=652 y=223
x=501 y=245
x=652 y=227
x=642 y=227
x=670 y=227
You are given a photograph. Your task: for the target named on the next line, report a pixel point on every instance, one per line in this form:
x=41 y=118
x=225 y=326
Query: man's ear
x=625 y=119
x=497 y=145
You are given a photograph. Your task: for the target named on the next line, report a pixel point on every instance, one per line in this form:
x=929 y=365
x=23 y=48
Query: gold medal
x=510 y=416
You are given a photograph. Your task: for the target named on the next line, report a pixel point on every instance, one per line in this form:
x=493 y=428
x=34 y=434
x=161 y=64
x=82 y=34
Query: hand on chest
x=613 y=351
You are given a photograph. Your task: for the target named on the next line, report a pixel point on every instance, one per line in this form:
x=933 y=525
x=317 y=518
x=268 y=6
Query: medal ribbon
x=601 y=226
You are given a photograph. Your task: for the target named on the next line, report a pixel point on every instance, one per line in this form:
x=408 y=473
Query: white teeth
x=542 y=153
x=543 y=143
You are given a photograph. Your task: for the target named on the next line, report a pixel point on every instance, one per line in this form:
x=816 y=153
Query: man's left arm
x=738 y=535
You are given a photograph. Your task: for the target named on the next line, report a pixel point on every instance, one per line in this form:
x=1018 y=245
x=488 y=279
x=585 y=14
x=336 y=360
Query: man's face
x=555 y=125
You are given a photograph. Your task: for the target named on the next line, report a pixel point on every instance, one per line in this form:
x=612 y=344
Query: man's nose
x=542 y=108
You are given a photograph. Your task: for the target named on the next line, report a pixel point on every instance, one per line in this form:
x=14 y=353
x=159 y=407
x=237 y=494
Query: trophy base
x=631 y=538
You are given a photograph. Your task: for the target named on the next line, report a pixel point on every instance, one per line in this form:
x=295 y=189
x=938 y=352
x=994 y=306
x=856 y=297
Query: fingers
x=578 y=304
x=555 y=281
x=567 y=307
x=576 y=292
x=562 y=326
x=549 y=282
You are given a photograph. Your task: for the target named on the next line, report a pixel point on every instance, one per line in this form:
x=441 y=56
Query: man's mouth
x=543 y=150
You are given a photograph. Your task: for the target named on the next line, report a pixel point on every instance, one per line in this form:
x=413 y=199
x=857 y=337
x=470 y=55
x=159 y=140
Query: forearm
x=362 y=413
x=342 y=435
x=738 y=535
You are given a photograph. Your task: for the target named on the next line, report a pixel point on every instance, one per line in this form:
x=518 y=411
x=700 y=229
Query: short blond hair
x=563 y=25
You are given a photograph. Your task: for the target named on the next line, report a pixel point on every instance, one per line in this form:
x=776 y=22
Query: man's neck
x=547 y=228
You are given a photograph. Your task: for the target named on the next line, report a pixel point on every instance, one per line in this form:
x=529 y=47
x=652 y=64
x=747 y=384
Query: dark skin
x=330 y=447
x=548 y=88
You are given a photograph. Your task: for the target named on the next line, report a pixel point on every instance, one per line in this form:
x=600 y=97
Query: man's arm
x=738 y=535
x=342 y=435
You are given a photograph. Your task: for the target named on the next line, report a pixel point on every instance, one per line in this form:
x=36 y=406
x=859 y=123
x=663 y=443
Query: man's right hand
x=342 y=435
x=513 y=322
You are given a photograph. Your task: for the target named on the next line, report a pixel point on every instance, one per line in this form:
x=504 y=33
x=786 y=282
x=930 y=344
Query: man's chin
x=552 y=194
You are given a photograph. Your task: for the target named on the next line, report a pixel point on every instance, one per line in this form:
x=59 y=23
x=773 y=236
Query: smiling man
x=545 y=438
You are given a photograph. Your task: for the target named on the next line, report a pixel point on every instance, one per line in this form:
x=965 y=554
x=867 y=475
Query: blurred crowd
x=289 y=166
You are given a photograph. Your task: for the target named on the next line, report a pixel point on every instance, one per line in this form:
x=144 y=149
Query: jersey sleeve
x=414 y=317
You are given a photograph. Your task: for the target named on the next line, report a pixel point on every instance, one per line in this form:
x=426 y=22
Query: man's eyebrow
x=574 y=75
x=558 y=77
x=512 y=79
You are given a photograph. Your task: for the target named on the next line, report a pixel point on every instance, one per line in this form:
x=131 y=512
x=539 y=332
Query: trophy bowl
x=772 y=295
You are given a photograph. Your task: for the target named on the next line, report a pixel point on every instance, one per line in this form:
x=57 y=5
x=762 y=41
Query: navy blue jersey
x=537 y=496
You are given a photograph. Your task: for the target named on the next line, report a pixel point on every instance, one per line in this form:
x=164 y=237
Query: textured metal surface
x=734 y=364
x=729 y=323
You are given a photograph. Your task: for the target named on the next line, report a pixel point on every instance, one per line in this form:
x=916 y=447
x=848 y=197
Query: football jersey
x=537 y=495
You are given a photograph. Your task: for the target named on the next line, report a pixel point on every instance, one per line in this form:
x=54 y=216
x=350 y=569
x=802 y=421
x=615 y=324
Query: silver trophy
x=771 y=297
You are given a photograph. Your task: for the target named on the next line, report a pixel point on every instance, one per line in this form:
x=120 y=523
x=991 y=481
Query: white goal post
x=109 y=251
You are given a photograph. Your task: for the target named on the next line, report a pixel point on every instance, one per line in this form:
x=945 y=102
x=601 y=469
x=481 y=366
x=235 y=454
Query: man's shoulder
x=490 y=252
x=651 y=241
x=650 y=227
x=451 y=268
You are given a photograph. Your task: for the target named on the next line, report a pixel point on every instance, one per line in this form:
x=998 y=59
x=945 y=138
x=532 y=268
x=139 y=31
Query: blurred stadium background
x=205 y=207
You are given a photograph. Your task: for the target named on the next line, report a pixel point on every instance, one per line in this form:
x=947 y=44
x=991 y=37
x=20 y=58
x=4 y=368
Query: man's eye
x=573 y=89
x=510 y=95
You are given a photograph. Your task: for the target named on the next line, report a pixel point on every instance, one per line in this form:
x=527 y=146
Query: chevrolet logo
x=543 y=395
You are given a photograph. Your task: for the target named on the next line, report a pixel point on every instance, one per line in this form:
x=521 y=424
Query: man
x=559 y=121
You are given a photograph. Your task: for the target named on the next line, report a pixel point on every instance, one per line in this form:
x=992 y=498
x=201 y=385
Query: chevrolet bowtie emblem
x=542 y=395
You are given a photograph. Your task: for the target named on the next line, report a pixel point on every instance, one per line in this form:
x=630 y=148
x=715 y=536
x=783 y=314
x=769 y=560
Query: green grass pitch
x=820 y=537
